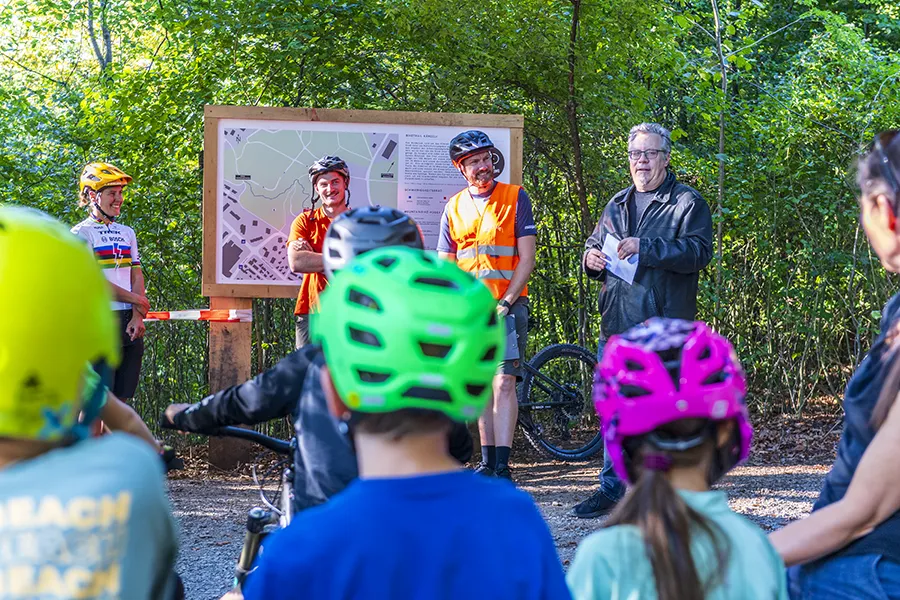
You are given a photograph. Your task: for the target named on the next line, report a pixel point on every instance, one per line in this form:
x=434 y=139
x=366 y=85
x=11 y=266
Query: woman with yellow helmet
x=115 y=246
x=78 y=517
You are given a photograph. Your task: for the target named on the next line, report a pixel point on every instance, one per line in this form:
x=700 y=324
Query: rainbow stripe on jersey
x=115 y=256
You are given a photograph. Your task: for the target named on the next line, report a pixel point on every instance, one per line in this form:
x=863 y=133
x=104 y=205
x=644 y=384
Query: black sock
x=489 y=456
x=502 y=457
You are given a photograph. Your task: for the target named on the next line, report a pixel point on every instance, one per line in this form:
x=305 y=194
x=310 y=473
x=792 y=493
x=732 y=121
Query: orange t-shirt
x=310 y=225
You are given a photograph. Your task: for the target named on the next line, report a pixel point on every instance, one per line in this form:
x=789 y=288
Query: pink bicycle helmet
x=665 y=370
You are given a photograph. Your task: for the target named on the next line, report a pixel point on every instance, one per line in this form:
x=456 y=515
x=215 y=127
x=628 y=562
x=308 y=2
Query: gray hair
x=656 y=128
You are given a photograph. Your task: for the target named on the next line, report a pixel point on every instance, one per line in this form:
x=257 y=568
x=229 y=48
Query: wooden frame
x=212 y=114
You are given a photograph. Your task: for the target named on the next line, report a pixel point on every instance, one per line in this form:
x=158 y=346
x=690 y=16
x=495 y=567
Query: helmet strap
x=91 y=409
x=96 y=205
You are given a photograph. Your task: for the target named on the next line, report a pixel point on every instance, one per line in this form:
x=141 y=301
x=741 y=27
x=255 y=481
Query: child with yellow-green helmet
x=61 y=495
x=411 y=344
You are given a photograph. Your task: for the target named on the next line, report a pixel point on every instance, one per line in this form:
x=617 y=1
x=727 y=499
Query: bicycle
x=276 y=514
x=558 y=419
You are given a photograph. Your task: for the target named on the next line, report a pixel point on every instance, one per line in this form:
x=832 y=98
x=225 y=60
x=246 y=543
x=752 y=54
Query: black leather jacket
x=324 y=461
x=676 y=243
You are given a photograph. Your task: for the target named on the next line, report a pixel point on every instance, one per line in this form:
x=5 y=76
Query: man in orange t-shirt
x=330 y=179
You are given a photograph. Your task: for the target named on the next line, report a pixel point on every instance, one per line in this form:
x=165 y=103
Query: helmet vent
x=386 y=263
x=366 y=338
x=705 y=354
x=436 y=282
x=364 y=300
x=633 y=391
x=633 y=365
x=427 y=393
x=435 y=350
x=372 y=376
x=492 y=320
x=475 y=390
x=717 y=377
x=333 y=253
x=491 y=354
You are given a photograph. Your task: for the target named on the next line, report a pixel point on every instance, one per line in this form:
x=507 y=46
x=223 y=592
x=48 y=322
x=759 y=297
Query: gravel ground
x=212 y=511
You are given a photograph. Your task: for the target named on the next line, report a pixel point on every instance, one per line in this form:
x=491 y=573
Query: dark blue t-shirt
x=447 y=536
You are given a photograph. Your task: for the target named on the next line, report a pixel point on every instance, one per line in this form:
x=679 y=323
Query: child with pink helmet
x=670 y=395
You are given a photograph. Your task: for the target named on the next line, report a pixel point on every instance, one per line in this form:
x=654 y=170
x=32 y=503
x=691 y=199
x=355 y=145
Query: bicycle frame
x=260 y=521
x=550 y=387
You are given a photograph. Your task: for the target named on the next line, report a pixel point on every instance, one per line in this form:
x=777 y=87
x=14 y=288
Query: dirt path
x=212 y=512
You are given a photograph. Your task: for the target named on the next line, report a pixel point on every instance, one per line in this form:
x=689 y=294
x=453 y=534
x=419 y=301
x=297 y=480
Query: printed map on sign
x=265 y=184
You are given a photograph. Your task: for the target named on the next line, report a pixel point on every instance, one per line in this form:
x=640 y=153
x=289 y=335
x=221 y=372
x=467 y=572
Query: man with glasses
x=488 y=230
x=668 y=226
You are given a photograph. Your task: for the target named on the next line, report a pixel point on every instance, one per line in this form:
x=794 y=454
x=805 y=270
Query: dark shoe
x=483 y=469
x=595 y=506
x=503 y=472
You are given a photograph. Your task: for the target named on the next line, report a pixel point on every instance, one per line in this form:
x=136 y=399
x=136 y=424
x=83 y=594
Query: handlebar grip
x=164 y=423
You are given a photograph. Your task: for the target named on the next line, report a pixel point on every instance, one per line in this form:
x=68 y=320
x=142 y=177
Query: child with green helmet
x=78 y=517
x=324 y=462
x=411 y=344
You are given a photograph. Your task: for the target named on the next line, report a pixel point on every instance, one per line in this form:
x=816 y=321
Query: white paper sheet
x=623 y=269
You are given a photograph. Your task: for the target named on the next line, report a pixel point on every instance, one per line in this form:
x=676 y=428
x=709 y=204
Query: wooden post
x=229 y=364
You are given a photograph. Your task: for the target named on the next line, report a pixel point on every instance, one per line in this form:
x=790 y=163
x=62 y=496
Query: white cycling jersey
x=115 y=247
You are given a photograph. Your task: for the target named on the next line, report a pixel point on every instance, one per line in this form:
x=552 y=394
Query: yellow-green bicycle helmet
x=403 y=328
x=56 y=317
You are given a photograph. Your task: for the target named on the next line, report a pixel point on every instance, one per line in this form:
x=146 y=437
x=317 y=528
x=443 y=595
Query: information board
x=256 y=181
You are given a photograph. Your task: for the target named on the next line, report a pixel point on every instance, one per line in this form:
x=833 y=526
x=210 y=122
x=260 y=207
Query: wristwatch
x=505 y=304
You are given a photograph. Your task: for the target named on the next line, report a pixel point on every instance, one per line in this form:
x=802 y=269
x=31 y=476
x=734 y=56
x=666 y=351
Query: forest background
x=769 y=103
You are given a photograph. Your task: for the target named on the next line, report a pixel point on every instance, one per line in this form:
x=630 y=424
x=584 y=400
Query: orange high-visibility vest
x=486 y=243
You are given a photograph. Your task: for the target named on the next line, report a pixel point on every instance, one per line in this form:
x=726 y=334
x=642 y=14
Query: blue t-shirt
x=88 y=521
x=446 y=536
x=525 y=225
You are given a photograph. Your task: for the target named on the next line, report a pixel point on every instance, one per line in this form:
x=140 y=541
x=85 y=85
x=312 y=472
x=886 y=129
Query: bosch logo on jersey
x=112 y=238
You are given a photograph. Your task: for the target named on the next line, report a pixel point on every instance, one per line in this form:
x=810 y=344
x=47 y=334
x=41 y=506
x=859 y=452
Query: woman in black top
x=849 y=547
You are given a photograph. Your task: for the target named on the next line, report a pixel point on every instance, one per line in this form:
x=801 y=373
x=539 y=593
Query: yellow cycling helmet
x=53 y=322
x=98 y=175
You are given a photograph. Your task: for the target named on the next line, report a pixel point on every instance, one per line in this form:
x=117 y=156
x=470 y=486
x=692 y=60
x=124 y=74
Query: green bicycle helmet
x=403 y=328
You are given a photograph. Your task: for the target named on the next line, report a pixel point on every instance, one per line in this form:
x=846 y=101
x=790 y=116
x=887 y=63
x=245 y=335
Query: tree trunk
x=721 y=199
x=572 y=117
x=104 y=57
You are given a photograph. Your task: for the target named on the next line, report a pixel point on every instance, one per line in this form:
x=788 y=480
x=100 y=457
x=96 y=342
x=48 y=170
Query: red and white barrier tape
x=233 y=315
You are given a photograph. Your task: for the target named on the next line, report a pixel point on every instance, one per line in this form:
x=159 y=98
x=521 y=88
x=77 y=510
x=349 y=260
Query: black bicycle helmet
x=468 y=143
x=328 y=164
x=365 y=228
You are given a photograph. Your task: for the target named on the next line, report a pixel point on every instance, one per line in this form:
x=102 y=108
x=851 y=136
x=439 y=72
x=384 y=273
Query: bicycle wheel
x=556 y=412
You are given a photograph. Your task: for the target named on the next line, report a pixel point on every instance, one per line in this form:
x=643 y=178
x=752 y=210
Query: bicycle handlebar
x=268 y=442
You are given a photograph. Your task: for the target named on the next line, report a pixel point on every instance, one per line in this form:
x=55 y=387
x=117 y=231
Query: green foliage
x=808 y=84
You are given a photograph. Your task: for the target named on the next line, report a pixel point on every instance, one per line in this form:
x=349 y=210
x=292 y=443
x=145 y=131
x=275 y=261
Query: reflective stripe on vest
x=486 y=242
x=488 y=249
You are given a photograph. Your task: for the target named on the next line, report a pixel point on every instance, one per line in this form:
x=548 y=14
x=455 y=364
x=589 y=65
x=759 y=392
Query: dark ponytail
x=668 y=524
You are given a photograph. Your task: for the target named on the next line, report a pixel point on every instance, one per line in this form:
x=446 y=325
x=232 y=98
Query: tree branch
x=23 y=67
x=93 y=35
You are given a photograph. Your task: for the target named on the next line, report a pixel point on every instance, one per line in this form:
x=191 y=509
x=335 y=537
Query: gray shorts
x=301 y=331
x=513 y=366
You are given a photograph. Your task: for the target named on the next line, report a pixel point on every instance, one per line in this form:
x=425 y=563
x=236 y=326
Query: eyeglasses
x=650 y=154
